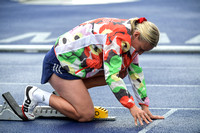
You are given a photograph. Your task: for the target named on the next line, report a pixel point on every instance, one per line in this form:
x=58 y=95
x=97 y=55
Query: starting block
x=10 y=110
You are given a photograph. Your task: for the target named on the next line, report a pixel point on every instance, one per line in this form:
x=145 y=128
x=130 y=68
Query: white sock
x=42 y=96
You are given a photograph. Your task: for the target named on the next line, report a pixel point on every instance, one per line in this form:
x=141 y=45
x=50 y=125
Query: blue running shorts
x=52 y=65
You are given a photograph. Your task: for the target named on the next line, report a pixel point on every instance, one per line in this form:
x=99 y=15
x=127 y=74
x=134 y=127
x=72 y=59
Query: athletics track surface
x=172 y=79
x=172 y=82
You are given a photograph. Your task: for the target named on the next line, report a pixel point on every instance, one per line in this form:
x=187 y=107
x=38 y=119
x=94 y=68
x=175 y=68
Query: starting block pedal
x=12 y=111
x=102 y=114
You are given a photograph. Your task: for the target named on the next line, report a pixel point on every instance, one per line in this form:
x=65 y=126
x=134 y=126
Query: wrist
x=133 y=108
x=142 y=104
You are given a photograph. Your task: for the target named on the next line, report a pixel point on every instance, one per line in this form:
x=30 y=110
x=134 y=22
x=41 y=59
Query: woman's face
x=140 y=46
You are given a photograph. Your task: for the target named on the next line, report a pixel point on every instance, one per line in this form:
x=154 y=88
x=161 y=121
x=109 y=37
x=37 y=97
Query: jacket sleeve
x=138 y=82
x=112 y=67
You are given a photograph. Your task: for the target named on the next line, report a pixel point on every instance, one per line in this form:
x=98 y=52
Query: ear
x=136 y=34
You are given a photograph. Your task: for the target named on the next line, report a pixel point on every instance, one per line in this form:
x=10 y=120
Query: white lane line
x=19 y=66
x=158 y=108
x=170 y=112
x=73 y=2
x=170 y=67
x=40 y=65
x=160 y=85
x=38 y=37
x=156 y=122
x=3 y=83
x=149 y=85
x=37 y=48
x=177 y=108
x=194 y=40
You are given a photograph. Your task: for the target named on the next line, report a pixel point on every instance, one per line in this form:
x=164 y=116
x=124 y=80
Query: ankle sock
x=42 y=96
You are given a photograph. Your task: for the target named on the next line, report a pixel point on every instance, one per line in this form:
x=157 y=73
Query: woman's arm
x=139 y=87
x=112 y=66
x=138 y=83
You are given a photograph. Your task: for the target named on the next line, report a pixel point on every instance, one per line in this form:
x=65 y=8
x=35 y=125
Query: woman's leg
x=96 y=80
x=74 y=100
x=99 y=79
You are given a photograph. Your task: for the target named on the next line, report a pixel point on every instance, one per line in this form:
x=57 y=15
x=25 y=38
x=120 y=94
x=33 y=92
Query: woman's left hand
x=147 y=111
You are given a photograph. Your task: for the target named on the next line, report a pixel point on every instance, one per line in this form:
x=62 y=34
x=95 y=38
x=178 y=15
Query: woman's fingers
x=148 y=117
x=142 y=117
x=157 y=117
x=135 y=118
x=140 y=120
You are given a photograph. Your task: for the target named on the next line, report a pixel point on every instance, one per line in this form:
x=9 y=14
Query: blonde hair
x=148 y=31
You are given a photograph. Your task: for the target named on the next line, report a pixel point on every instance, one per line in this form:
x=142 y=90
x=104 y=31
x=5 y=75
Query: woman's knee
x=86 y=116
x=81 y=116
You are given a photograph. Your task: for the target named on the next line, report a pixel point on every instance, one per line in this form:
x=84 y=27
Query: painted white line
x=45 y=48
x=150 y=85
x=176 y=49
x=156 y=122
x=160 y=85
x=19 y=66
x=153 y=67
x=25 y=48
x=43 y=37
x=198 y=109
x=170 y=113
x=194 y=40
x=21 y=83
x=73 y=2
x=170 y=68
x=177 y=108
x=38 y=37
x=164 y=38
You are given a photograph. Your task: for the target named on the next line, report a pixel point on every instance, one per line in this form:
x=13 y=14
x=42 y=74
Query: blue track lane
x=172 y=83
x=178 y=20
x=172 y=79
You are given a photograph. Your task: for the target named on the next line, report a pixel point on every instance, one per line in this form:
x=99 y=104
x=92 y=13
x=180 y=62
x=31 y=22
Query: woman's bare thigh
x=99 y=79
x=73 y=91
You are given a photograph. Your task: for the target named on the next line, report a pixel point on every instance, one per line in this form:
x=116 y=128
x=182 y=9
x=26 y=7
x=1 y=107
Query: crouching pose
x=96 y=53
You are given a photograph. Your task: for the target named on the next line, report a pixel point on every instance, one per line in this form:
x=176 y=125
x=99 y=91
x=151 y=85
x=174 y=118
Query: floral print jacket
x=104 y=44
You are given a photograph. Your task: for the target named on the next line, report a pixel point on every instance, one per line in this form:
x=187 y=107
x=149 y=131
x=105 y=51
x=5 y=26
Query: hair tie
x=140 y=20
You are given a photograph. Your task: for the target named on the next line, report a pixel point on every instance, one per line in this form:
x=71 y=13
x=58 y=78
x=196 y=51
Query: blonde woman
x=96 y=53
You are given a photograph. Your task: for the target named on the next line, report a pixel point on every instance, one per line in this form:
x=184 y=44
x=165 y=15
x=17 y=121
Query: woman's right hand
x=139 y=115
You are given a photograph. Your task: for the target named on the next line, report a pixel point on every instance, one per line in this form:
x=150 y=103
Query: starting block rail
x=10 y=110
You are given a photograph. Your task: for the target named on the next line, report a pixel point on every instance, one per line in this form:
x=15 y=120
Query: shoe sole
x=27 y=102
